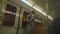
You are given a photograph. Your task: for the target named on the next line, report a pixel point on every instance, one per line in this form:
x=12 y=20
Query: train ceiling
x=40 y=7
x=51 y=6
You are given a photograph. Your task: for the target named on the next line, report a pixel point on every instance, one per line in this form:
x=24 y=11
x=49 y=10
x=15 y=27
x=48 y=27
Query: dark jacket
x=55 y=27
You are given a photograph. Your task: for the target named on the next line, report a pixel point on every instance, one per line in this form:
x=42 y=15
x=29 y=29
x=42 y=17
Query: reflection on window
x=9 y=18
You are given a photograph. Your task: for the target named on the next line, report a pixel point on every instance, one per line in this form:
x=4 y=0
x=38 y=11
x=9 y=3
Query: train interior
x=13 y=15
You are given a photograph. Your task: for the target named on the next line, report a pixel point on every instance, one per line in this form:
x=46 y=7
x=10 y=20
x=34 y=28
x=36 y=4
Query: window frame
x=17 y=12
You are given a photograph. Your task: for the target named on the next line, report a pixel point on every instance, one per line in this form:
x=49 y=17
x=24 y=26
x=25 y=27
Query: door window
x=9 y=15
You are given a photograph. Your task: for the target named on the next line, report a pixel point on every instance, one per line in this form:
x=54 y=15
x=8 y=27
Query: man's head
x=33 y=12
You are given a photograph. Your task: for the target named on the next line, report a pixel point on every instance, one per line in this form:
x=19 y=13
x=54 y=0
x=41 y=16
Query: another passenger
x=55 y=28
x=29 y=25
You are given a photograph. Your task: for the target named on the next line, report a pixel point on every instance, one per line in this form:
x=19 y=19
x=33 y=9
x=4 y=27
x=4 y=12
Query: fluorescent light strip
x=39 y=11
x=50 y=17
x=43 y=13
x=36 y=9
x=27 y=3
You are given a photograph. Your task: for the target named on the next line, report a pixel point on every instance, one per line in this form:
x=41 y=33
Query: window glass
x=9 y=15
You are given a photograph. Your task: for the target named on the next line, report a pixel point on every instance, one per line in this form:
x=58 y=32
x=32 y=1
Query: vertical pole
x=47 y=18
x=0 y=9
x=47 y=11
x=18 y=22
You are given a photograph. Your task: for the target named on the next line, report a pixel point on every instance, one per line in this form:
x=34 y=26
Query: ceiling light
x=27 y=3
x=40 y=11
x=50 y=17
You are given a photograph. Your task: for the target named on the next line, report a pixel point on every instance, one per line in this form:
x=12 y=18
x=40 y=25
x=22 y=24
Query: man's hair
x=33 y=12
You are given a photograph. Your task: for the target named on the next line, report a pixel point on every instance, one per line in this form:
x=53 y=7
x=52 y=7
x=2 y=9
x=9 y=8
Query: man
x=55 y=28
x=29 y=26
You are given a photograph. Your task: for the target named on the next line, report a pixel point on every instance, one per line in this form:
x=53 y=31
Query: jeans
x=29 y=28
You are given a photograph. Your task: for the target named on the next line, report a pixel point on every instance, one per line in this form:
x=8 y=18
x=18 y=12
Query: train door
x=9 y=22
x=24 y=13
x=24 y=22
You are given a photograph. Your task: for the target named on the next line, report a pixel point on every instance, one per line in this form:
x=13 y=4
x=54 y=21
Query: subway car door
x=24 y=13
x=9 y=22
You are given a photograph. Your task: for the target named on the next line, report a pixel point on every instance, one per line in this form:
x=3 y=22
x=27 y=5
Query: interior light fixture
x=36 y=9
x=27 y=3
x=43 y=13
x=40 y=11
x=50 y=17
